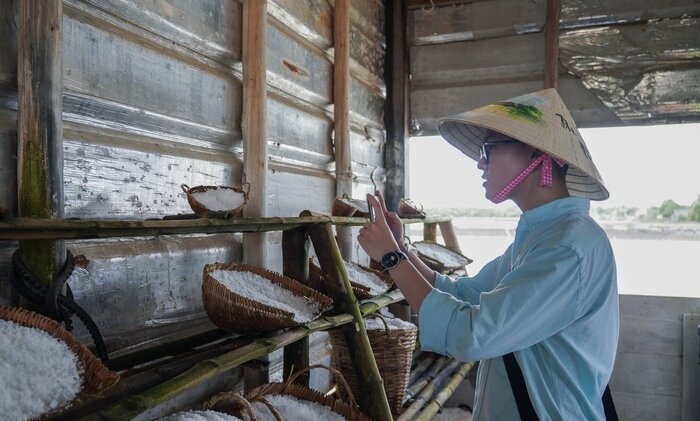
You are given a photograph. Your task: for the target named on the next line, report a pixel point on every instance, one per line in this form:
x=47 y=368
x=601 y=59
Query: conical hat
x=540 y=120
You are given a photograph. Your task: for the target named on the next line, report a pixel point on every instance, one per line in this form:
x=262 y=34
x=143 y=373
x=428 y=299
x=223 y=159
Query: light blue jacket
x=551 y=298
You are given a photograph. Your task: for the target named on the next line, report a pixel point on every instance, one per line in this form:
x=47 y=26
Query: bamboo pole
x=551 y=49
x=341 y=115
x=40 y=128
x=254 y=125
x=427 y=393
x=444 y=393
x=449 y=236
x=426 y=360
x=430 y=232
x=374 y=402
x=415 y=388
x=36 y=229
x=295 y=264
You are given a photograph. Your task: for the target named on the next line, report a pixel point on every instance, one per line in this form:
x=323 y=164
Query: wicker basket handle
x=383 y=319
x=275 y=412
x=344 y=382
x=232 y=396
x=185 y=188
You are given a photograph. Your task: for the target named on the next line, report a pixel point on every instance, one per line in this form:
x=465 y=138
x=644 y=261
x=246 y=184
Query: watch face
x=389 y=260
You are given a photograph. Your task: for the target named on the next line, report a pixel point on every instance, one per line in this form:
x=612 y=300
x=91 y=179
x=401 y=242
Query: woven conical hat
x=540 y=120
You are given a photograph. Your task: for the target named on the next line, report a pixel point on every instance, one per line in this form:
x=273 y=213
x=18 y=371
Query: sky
x=641 y=166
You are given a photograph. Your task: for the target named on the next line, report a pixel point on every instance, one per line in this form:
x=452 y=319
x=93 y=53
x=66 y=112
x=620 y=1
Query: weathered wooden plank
x=634 y=406
x=644 y=335
x=662 y=308
x=647 y=374
x=551 y=48
x=691 y=367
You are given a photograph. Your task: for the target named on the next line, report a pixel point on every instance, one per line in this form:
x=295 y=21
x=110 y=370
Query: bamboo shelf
x=147 y=389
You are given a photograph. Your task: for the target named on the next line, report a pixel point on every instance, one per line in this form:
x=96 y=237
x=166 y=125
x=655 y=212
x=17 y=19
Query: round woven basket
x=202 y=211
x=408 y=209
x=437 y=264
x=347 y=206
x=393 y=351
x=96 y=377
x=237 y=406
x=317 y=280
x=235 y=313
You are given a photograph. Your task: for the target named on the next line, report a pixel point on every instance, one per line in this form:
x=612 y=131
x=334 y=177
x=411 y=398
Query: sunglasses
x=486 y=147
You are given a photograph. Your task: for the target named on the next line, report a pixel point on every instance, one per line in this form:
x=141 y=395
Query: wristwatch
x=392 y=259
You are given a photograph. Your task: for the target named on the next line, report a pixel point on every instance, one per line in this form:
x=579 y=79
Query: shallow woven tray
x=409 y=209
x=235 y=313
x=347 y=206
x=437 y=264
x=238 y=405
x=202 y=211
x=96 y=377
x=393 y=351
x=317 y=280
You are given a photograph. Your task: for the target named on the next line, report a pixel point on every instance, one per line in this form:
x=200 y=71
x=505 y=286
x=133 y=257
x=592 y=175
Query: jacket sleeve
x=532 y=302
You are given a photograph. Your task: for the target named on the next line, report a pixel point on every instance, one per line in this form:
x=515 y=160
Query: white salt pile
x=199 y=416
x=219 y=199
x=442 y=254
x=293 y=409
x=370 y=280
x=262 y=290
x=38 y=373
x=375 y=323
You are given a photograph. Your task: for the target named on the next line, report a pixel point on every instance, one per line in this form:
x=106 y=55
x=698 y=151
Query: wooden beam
x=254 y=124
x=341 y=115
x=551 y=52
x=396 y=77
x=40 y=128
x=430 y=232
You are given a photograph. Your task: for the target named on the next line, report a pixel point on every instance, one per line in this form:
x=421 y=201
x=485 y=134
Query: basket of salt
x=44 y=367
x=347 y=206
x=199 y=416
x=243 y=298
x=393 y=341
x=440 y=258
x=365 y=282
x=217 y=201
x=290 y=401
x=409 y=209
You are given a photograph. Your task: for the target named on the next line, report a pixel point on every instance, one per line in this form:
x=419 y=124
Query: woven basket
x=408 y=209
x=202 y=211
x=393 y=351
x=317 y=280
x=238 y=405
x=437 y=264
x=236 y=313
x=96 y=377
x=347 y=206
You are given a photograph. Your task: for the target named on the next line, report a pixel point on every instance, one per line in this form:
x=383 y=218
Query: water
x=651 y=266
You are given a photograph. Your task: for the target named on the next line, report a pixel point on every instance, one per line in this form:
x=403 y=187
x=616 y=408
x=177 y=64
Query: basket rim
x=201 y=210
x=434 y=243
x=358 y=288
x=95 y=376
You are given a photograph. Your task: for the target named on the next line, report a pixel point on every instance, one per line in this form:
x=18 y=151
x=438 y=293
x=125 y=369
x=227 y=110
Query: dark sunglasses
x=486 y=147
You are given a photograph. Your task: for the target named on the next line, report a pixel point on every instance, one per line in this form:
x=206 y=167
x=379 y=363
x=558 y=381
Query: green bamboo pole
x=425 y=379
x=426 y=359
x=427 y=393
x=49 y=229
x=374 y=402
x=441 y=397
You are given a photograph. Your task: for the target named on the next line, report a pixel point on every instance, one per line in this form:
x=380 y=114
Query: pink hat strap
x=545 y=177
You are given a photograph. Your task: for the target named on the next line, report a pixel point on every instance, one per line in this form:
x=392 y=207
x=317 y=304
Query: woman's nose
x=481 y=163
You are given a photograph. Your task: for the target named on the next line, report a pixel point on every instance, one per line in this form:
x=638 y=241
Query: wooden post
x=374 y=402
x=449 y=236
x=551 y=52
x=40 y=128
x=396 y=76
x=341 y=115
x=255 y=144
x=430 y=232
x=295 y=264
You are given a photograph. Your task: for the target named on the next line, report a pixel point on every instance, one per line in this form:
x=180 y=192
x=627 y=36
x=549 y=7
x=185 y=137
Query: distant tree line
x=670 y=210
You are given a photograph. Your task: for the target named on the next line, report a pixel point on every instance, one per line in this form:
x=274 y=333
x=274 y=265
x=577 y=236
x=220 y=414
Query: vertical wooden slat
x=295 y=264
x=430 y=232
x=40 y=128
x=255 y=144
x=551 y=53
x=341 y=115
x=396 y=77
x=449 y=236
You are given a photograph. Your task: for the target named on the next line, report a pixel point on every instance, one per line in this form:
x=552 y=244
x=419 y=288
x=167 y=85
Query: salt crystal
x=393 y=323
x=199 y=416
x=293 y=409
x=219 y=199
x=38 y=373
x=358 y=275
x=447 y=257
x=262 y=290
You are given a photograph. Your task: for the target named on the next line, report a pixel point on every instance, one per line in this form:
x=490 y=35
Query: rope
x=58 y=306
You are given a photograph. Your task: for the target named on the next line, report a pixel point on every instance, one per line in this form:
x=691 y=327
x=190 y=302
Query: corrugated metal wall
x=153 y=99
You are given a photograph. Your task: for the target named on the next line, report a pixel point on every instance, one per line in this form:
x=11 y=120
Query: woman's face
x=506 y=160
